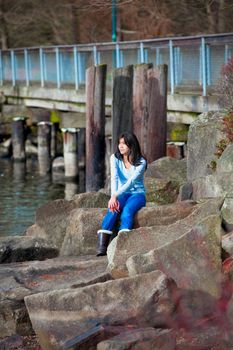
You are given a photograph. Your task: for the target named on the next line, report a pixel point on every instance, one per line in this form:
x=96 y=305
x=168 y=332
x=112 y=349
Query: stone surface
x=81 y=233
x=204 y=133
x=144 y=239
x=52 y=219
x=161 y=191
x=163 y=214
x=227 y=244
x=206 y=187
x=21 y=248
x=22 y=279
x=227 y=214
x=60 y=315
x=91 y=200
x=142 y=338
x=168 y=168
x=193 y=259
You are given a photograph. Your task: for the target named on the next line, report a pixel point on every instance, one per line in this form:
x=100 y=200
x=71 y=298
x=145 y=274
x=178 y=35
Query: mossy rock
x=161 y=191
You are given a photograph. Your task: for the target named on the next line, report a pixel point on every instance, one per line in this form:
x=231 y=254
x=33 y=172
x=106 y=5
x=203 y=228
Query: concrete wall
x=36 y=102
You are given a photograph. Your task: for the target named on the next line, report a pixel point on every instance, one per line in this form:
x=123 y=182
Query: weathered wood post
x=122 y=102
x=70 y=151
x=44 y=147
x=149 y=109
x=55 y=128
x=18 y=139
x=71 y=188
x=95 y=127
x=81 y=159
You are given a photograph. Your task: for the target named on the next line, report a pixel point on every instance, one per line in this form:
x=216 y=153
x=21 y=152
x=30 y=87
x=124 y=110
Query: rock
x=163 y=179
x=163 y=214
x=53 y=218
x=161 y=191
x=81 y=232
x=227 y=244
x=225 y=162
x=169 y=169
x=144 y=239
x=22 y=279
x=143 y=300
x=91 y=200
x=227 y=214
x=12 y=342
x=204 y=134
x=185 y=192
x=141 y=338
x=20 y=248
x=193 y=259
x=206 y=187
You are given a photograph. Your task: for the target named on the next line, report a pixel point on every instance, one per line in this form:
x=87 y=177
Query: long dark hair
x=135 y=153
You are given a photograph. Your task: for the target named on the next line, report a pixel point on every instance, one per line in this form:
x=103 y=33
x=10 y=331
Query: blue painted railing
x=194 y=62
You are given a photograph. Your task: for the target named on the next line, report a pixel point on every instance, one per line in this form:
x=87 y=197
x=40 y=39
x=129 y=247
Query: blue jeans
x=130 y=204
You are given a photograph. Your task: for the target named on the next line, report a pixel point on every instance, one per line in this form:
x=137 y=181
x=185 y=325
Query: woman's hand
x=114 y=205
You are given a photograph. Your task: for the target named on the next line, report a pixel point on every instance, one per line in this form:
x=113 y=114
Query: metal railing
x=194 y=62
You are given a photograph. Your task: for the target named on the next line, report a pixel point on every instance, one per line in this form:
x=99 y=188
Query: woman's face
x=123 y=148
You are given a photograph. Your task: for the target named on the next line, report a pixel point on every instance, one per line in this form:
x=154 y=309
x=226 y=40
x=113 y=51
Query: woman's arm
x=113 y=203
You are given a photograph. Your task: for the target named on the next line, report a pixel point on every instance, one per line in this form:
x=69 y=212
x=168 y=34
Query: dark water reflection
x=23 y=190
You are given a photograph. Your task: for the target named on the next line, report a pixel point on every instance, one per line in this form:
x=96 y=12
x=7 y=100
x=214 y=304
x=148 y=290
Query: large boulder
x=23 y=248
x=163 y=179
x=204 y=134
x=81 y=233
x=22 y=279
x=163 y=214
x=141 y=338
x=144 y=239
x=193 y=259
x=53 y=218
x=143 y=300
x=168 y=168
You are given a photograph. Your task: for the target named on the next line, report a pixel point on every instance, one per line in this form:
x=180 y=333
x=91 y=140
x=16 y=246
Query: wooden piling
x=149 y=109
x=44 y=147
x=81 y=148
x=95 y=127
x=122 y=102
x=55 y=128
x=70 y=151
x=18 y=139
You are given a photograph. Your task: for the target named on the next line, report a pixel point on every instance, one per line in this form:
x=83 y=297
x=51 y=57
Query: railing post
x=41 y=53
x=118 y=56
x=26 y=64
x=95 y=58
x=171 y=66
x=58 y=68
x=142 y=58
x=157 y=58
x=203 y=60
x=76 y=68
x=226 y=53
x=13 y=67
x=1 y=69
x=208 y=70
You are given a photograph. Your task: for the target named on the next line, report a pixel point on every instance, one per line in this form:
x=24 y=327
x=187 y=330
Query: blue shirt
x=126 y=180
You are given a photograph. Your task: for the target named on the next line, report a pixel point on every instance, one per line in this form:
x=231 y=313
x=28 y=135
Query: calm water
x=23 y=190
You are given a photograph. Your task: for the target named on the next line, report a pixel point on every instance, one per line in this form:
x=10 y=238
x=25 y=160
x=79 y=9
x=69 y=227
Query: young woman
x=127 y=188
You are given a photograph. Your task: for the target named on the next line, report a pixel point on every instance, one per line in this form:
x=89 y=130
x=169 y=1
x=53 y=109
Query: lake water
x=23 y=190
